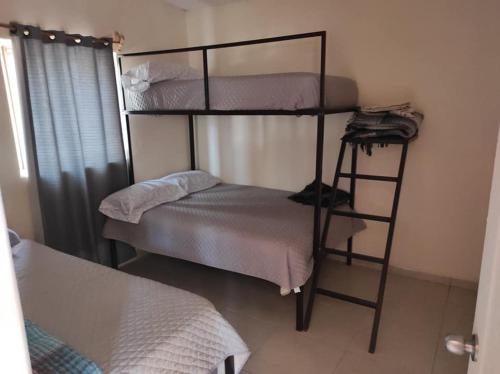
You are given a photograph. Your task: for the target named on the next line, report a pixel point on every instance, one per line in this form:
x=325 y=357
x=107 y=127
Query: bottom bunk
x=245 y=229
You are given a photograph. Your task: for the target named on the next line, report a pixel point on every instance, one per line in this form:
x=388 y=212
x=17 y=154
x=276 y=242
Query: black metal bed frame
x=319 y=237
x=320 y=111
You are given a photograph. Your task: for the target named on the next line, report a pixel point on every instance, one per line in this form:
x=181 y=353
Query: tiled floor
x=417 y=315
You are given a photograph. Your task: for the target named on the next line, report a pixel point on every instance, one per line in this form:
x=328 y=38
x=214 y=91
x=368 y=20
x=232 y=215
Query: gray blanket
x=288 y=91
x=246 y=229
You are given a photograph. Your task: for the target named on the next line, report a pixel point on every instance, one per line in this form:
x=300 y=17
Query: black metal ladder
x=323 y=251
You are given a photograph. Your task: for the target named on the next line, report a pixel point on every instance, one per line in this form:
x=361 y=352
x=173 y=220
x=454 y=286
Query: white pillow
x=193 y=181
x=140 y=77
x=130 y=203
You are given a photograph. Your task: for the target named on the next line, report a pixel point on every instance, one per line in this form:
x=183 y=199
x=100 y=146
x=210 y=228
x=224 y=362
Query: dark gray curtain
x=77 y=138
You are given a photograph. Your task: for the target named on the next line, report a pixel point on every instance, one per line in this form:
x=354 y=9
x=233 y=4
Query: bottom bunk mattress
x=123 y=323
x=246 y=229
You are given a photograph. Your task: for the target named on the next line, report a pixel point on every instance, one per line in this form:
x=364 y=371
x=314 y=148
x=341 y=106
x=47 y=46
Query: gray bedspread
x=286 y=91
x=246 y=229
x=125 y=324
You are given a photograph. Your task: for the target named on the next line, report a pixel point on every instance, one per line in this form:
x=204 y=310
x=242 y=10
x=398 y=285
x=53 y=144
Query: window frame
x=13 y=94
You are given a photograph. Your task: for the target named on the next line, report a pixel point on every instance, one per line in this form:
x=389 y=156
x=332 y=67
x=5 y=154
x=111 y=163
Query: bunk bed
x=245 y=229
x=296 y=227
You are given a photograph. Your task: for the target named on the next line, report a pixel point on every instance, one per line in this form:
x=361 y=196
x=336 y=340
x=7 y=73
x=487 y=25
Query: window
x=121 y=106
x=13 y=99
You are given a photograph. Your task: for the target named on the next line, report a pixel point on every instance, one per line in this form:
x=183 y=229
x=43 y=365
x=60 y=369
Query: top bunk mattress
x=286 y=91
x=246 y=229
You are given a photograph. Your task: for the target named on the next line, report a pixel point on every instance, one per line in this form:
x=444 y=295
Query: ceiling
x=189 y=4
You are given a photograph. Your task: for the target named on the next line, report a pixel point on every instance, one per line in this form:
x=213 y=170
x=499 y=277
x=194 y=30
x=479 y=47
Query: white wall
x=154 y=26
x=442 y=55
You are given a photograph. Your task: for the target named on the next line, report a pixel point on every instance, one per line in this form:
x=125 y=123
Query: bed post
x=113 y=254
x=192 y=154
x=299 y=313
x=317 y=188
x=320 y=137
x=229 y=365
x=206 y=86
x=317 y=218
x=131 y=177
x=352 y=191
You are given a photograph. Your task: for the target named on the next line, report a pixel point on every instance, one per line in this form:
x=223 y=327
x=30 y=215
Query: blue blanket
x=50 y=355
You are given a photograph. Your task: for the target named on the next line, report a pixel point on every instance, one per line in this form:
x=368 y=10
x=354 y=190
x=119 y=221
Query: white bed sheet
x=124 y=323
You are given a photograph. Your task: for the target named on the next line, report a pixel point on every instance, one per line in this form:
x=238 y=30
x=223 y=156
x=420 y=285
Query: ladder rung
x=351 y=299
x=369 y=177
x=358 y=256
x=369 y=217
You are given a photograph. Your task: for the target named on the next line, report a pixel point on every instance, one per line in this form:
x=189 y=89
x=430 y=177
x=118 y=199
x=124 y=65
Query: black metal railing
x=204 y=49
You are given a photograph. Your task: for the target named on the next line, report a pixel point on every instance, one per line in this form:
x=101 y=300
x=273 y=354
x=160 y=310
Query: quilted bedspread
x=246 y=229
x=125 y=324
x=289 y=91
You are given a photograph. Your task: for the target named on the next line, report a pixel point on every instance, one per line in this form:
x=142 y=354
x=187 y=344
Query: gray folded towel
x=370 y=123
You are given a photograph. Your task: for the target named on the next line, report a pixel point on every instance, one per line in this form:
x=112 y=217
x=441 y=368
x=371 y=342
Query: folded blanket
x=308 y=195
x=50 y=355
x=400 y=121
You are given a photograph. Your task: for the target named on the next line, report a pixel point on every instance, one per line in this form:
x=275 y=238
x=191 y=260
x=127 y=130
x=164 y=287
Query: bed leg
x=229 y=365
x=299 y=313
x=349 y=251
x=113 y=254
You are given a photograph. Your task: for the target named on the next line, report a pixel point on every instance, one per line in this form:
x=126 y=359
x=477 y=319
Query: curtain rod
x=118 y=37
x=5 y=25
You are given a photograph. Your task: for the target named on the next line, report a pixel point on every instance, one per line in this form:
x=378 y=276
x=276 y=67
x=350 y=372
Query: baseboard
x=448 y=281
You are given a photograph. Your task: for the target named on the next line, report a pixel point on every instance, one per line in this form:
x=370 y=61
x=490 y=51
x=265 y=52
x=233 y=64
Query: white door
x=487 y=319
x=14 y=357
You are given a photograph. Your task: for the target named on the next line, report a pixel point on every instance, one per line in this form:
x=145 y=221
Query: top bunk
x=156 y=88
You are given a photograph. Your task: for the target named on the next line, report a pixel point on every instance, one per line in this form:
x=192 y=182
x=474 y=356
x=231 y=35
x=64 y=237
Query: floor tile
x=404 y=346
x=463 y=297
x=409 y=331
x=253 y=331
x=338 y=322
x=289 y=352
x=256 y=298
x=459 y=318
x=417 y=314
x=414 y=303
x=366 y=363
x=353 y=280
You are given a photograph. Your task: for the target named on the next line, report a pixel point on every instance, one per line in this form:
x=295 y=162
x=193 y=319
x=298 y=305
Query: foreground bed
x=125 y=324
